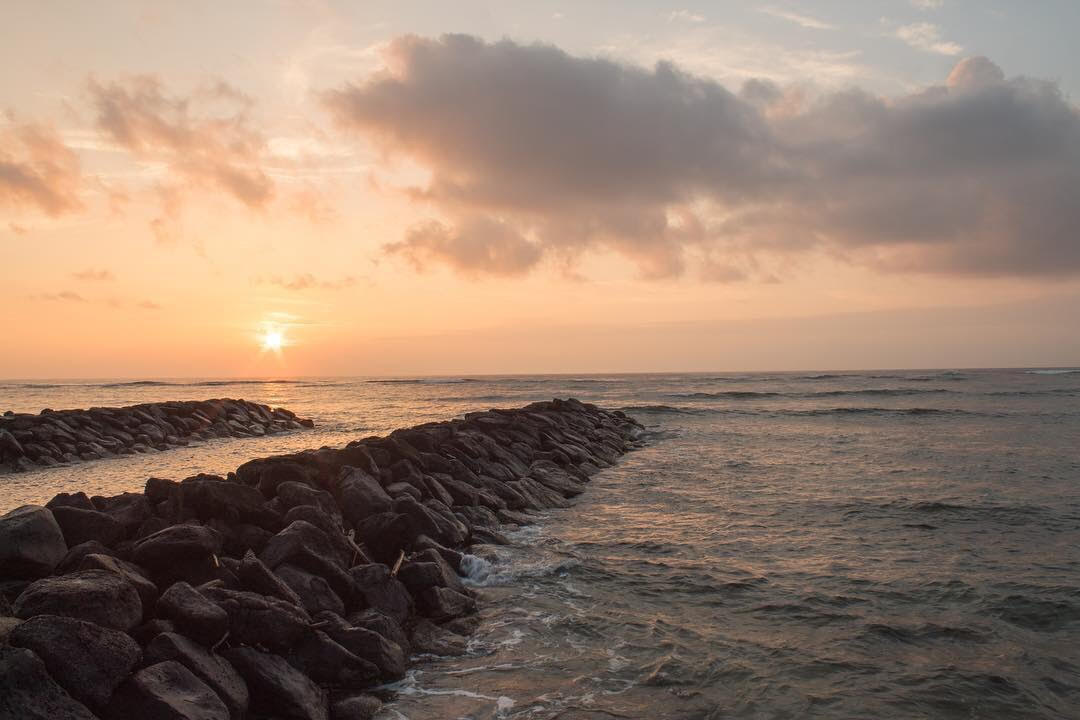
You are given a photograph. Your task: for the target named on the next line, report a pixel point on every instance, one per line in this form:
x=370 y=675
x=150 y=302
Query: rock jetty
x=58 y=437
x=290 y=589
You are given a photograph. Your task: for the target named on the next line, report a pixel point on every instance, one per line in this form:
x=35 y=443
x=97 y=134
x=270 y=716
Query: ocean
x=897 y=544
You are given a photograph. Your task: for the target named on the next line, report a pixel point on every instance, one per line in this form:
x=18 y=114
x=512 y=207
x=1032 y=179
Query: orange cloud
x=37 y=169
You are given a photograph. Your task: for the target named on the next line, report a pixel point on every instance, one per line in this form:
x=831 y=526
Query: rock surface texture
x=290 y=588
x=59 y=437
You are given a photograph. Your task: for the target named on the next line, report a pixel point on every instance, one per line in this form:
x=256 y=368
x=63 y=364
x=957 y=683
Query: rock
x=425 y=521
x=268 y=473
x=307 y=547
x=385 y=535
x=194 y=615
x=328 y=663
x=329 y=524
x=360 y=495
x=213 y=670
x=7 y=624
x=443 y=603
x=437 y=572
x=429 y=638
x=88 y=660
x=315 y=593
x=28 y=693
x=464 y=626
x=291 y=494
x=97 y=596
x=31 y=542
x=159 y=490
x=277 y=689
x=80 y=525
x=76 y=554
x=167 y=691
x=150 y=629
x=206 y=498
x=385 y=654
x=243 y=537
x=260 y=620
x=356 y=707
x=131 y=510
x=403 y=488
x=179 y=552
x=378 y=590
x=148 y=591
x=379 y=622
x=256 y=577
x=453 y=558
x=76 y=500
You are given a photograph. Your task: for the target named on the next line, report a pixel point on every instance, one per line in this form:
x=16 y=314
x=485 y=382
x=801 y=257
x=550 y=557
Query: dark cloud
x=535 y=153
x=37 y=169
x=94 y=275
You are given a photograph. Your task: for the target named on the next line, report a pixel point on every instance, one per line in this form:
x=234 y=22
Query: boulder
x=430 y=639
x=97 y=596
x=27 y=692
x=31 y=542
x=360 y=495
x=329 y=524
x=315 y=593
x=379 y=622
x=260 y=620
x=256 y=577
x=356 y=707
x=130 y=510
x=443 y=603
x=179 y=552
x=278 y=689
x=433 y=571
x=192 y=614
x=167 y=691
x=150 y=629
x=76 y=554
x=377 y=589
x=292 y=494
x=81 y=525
x=328 y=663
x=384 y=653
x=148 y=591
x=424 y=520
x=386 y=535
x=159 y=490
x=88 y=660
x=213 y=670
x=76 y=500
x=307 y=547
x=205 y=498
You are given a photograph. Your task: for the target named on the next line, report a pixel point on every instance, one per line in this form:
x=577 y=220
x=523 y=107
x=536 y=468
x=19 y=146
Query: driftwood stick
x=397 y=565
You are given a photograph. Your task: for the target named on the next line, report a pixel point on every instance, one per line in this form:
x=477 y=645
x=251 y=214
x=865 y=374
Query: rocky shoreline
x=59 y=437
x=292 y=588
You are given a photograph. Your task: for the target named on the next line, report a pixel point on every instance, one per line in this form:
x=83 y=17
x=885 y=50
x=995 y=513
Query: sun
x=272 y=340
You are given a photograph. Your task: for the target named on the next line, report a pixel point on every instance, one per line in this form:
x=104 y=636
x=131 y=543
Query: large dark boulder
x=377 y=589
x=148 y=591
x=356 y=707
x=214 y=670
x=328 y=663
x=88 y=660
x=76 y=554
x=291 y=494
x=428 y=568
x=31 y=542
x=443 y=603
x=315 y=593
x=256 y=577
x=384 y=653
x=75 y=500
x=306 y=546
x=268 y=473
x=167 y=691
x=386 y=535
x=27 y=692
x=193 y=615
x=205 y=498
x=278 y=689
x=179 y=552
x=425 y=520
x=379 y=622
x=130 y=510
x=360 y=495
x=97 y=596
x=81 y=525
x=260 y=620
x=431 y=639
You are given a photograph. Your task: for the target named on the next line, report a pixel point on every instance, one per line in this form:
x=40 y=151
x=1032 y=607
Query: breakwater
x=288 y=588
x=57 y=437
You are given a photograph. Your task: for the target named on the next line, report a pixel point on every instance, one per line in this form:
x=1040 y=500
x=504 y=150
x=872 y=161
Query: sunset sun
x=272 y=340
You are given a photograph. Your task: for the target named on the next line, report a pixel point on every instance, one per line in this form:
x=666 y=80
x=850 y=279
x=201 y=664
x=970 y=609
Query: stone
x=442 y=574
x=243 y=537
x=360 y=495
x=315 y=593
x=167 y=691
x=307 y=547
x=423 y=520
x=452 y=557
x=205 y=498
x=384 y=653
x=377 y=589
x=292 y=494
x=430 y=639
x=27 y=692
x=76 y=500
x=150 y=629
x=329 y=524
x=97 y=596
x=179 y=552
x=214 y=670
x=79 y=526
x=330 y=664
x=268 y=473
x=403 y=488
x=193 y=615
x=131 y=510
x=278 y=689
x=76 y=554
x=89 y=661
x=260 y=620
x=148 y=591
x=31 y=542
x=256 y=577
x=386 y=535
x=356 y=707
x=443 y=603
x=159 y=490
x=379 y=622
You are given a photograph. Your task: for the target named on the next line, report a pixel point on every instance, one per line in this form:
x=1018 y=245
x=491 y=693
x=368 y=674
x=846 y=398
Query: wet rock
x=355 y=707
x=167 y=691
x=429 y=638
x=379 y=622
x=452 y=557
x=278 y=689
x=377 y=589
x=427 y=568
x=260 y=620
x=360 y=495
x=178 y=552
x=97 y=596
x=27 y=692
x=31 y=542
x=330 y=664
x=88 y=660
x=148 y=591
x=384 y=653
x=194 y=615
x=315 y=593
x=214 y=670
x=256 y=577
x=443 y=603
x=464 y=626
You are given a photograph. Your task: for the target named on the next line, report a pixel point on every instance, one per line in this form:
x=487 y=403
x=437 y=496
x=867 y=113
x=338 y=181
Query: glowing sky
x=498 y=187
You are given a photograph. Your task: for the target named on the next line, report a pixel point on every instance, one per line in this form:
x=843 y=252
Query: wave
x=421 y=381
x=1051 y=372
x=815 y=412
x=753 y=395
x=156 y=383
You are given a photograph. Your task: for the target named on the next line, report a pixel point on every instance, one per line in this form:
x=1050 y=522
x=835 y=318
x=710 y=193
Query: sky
x=404 y=188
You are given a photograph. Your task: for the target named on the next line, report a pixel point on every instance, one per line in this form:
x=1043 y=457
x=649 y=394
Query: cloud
x=62 y=296
x=685 y=16
x=38 y=170
x=205 y=139
x=928 y=4
x=93 y=275
x=148 y=305
x=803 y=20
x=927 y=36
x=307 y=281
x=534 y=154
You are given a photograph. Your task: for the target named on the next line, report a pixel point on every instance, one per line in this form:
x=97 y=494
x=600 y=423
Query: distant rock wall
x=58 y=437
x=289 y=588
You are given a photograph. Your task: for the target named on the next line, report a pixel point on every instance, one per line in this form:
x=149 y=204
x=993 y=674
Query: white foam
x=476 y=570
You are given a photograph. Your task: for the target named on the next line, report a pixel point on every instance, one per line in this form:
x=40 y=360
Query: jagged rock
x=329 y=663
x=292 y=494
x=277 y=689
x=256 y=577
x=80 y=526
x=213 y=670
x=205 y=498
x=384 y=653
x=403 y=488
x=315 y=593
x=167 y=691
x=238 y=539
x=465 y=625
x=377 y=589
x=148 y=591
x=443 y=603
x=355 y=707
x=76 y=554
x=97 y=596
x=31 y=542
x=306 y=546
x=429 y=638
x=130 y=510
x=178 y=552
x=260 y=620
x=379 y=622
x=150 y=629
x=329 y=524
x=159 y=490
x=386 y=535
x=76 y=500
x=428 y=569
x=27 y=692
x=88 y=660
x=194 y=615
x=360 y=495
